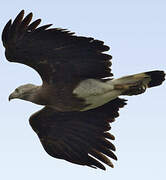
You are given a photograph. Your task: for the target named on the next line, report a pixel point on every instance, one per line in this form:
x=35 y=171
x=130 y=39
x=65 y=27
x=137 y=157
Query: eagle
x=79 y=94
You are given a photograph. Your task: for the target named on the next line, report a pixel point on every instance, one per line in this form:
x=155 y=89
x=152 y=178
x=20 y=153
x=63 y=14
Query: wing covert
x=53 y=52
x=78 y=137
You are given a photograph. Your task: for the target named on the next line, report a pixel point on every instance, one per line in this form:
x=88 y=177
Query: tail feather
x=157 y=77
x=137 y=83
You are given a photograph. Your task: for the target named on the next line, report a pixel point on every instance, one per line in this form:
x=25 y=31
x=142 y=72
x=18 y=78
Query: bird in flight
x=79 y=95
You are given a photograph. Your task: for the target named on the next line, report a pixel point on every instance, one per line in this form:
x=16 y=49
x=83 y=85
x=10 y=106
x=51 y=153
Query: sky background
x=136 y=33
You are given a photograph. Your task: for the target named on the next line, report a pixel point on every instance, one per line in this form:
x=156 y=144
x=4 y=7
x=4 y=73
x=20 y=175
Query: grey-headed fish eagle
x=80 y=102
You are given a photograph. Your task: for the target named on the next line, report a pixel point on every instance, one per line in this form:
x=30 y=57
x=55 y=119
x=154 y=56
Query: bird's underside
x=79 y=103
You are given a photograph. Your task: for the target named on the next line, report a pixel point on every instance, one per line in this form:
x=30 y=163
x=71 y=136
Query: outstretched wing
x=78 y=137
x=56 y=54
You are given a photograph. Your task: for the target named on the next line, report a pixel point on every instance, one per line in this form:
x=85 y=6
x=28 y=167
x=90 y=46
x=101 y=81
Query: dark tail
x=157 y=77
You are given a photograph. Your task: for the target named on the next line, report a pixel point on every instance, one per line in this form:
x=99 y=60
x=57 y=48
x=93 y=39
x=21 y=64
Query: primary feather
x=79 y=103
x=55 y=53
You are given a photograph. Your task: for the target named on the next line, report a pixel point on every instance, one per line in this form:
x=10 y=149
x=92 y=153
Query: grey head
x=25 y=92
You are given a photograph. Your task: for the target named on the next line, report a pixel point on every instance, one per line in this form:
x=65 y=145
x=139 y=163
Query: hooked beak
x=12 y=96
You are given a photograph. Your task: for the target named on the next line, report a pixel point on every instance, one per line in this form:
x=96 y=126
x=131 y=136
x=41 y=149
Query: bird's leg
x=131 y=88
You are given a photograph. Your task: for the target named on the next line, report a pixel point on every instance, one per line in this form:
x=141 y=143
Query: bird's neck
x=35 y=96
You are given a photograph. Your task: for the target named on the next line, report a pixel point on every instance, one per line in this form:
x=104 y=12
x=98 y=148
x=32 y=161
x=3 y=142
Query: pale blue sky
x=136 y=32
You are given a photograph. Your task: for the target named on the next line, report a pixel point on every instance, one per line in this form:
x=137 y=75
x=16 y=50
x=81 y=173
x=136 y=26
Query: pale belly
x=96 y=101
x=95 y=93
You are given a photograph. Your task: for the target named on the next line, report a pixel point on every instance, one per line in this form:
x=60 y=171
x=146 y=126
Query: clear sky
x=136 y=33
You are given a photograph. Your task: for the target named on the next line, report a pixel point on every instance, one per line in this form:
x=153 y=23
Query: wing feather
x=78 y=137
x=34 y=24
x=53 y=51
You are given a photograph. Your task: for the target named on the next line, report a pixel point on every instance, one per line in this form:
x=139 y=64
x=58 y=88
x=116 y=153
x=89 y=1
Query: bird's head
x=23 y=92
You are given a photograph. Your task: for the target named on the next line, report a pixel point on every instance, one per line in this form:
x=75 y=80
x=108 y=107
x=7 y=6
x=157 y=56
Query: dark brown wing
x=55 y=53
x=78 y=137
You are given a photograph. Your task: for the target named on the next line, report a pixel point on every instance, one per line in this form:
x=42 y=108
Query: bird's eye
x=16 y=90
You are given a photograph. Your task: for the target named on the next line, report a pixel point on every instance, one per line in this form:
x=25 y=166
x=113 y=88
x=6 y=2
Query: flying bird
x=79 y=95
